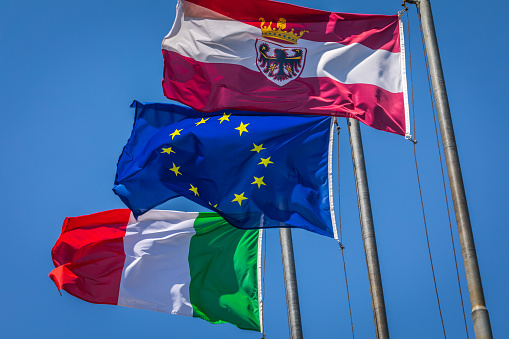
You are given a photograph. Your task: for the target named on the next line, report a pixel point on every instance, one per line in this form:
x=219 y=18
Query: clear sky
x=69 y=71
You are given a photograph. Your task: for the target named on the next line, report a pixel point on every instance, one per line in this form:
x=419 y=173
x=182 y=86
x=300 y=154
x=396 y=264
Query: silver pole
x=368 y=230
x=292 y=295
x=480 y=316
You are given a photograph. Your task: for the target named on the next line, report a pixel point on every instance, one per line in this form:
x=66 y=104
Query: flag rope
x=340 y=240
x=441 y=164
x=420 y=194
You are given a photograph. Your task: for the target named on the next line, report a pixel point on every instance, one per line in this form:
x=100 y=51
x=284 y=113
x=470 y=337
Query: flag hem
x=259 y=272
x=329 y=178
x=403 y=76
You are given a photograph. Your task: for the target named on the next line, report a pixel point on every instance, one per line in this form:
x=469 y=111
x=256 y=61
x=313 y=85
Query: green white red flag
x=186 y=263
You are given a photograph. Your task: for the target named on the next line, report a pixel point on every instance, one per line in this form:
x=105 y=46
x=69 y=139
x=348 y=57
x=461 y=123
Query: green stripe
x=222 y=262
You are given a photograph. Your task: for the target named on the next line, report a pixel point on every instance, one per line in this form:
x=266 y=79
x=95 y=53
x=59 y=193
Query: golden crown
x=279 y=33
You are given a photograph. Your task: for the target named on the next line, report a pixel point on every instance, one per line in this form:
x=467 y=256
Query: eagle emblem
x=278 y=63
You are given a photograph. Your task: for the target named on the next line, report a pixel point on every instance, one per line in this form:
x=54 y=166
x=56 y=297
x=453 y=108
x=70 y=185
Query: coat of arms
x=278 y=63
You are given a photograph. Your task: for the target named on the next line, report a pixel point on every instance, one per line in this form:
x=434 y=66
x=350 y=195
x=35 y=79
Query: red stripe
x=211 y=87
x=89 y=256
x=373 y=31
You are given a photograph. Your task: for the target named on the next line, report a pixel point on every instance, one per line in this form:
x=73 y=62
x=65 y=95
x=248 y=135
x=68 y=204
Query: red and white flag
x=269 y=56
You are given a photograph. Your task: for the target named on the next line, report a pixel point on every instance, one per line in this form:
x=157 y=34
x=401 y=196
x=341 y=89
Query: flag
x=263 y=55
x=186 y=263
x=255 y=171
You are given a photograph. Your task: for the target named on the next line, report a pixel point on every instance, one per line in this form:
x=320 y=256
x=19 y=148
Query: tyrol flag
x=186 y=263
x=255 y=171
x=262 y=55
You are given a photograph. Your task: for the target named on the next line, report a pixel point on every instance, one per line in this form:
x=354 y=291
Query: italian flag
x=186 y=263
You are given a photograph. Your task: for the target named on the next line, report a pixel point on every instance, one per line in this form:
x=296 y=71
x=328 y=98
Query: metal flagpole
x=480 y=314
x=292 y=295
x=368 y=230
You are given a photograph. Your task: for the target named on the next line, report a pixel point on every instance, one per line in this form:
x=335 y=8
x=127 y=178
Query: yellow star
x=258 y=181
x=215 y=206
x=194 y=190
x=224 y=117
x=177 y=132
x=257 y=148
x=167 y=150
x=175 y=170
x=202 y=121
x=242 y=128
x=265 y=161
x=239 y=198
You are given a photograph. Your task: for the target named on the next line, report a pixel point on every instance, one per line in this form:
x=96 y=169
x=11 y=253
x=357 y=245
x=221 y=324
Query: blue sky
x=70 y=70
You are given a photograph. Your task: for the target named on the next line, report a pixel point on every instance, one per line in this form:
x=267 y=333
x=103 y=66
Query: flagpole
x=292 y=295
x=480 y=316
x=368 y=230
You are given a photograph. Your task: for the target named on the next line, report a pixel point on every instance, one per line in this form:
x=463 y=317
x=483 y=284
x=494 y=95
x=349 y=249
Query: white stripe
x=259 y=272
x=329 y=178
x=233 y=42
x=156 y=272
x=403 y=76
x=352 y=64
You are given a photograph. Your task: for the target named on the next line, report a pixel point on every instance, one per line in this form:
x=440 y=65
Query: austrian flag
x=262 y=55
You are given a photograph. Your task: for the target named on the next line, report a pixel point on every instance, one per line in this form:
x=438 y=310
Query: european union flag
x=255 y=171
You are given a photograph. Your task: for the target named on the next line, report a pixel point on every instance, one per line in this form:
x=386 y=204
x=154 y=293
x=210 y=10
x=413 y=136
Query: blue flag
x=255 y=171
